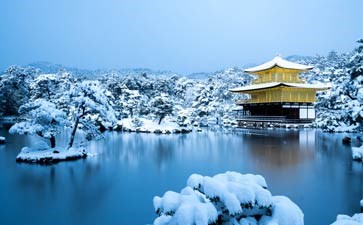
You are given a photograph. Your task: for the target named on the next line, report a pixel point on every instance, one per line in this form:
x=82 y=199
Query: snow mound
x=284 y=212
x=357 y=153
x=43 y=154
x=228 y=198
x=356 y=219
x=186 y=208
x=238 y=194
x=2 y=140
x=149 y=126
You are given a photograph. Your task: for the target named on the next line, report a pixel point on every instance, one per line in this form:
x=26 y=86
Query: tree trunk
x=52 y=141
x=73 y=133
x=161 y=118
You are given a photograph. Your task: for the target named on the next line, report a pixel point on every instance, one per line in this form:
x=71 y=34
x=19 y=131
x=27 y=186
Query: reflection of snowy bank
x=149 y=126
x=229 y=198
x=357 y=153
x=2 y=140
x=43 y=154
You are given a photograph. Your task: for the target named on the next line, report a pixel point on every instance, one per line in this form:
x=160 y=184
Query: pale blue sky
x=184 y=36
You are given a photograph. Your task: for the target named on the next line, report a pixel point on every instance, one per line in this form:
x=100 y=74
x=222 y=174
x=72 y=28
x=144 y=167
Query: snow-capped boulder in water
x=356 y=219
x=2 y=140
x=228 y=198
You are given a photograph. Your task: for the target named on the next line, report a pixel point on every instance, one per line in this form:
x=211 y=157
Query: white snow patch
x=187 y=208
x=284 y=212
x=2 y=140
x=151 y=126
x=356 y=219
x=41 y=152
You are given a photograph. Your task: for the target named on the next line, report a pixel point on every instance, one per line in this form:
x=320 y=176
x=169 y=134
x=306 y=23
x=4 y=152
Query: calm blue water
x=314 y=169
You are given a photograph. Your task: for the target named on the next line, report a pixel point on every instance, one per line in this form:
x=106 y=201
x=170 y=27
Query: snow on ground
x=356 y=219
x=42 y=153
x=151 y=126
x=2 y=140
x=230 y=198
x=357 y=153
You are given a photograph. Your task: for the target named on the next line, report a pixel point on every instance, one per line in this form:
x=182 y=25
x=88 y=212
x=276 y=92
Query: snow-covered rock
x=229 y=198
x=357 y=153
x=356 y=219
x=2 y=140
x=43 y=154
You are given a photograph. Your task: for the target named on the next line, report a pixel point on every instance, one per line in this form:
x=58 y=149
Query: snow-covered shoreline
x=42 y=154
x=144 y=125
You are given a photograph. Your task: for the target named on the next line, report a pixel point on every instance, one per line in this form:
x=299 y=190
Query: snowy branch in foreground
x=229 y=198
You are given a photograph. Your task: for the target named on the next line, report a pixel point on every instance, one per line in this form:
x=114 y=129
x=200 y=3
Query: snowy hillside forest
x=197 y=100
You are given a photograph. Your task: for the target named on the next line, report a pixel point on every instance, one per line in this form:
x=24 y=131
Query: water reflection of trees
x=76 y=187
x=281 y=148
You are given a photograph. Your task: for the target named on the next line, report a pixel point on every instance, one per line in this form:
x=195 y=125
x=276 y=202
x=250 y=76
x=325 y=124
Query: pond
x=117 y=185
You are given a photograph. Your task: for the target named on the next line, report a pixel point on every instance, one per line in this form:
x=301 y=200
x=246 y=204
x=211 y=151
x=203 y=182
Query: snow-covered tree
x=341 y=108
x=162 y=106
x=90 y=105
x=356 y=62
x=42 y=118
x=129 y=102
x=14 y=88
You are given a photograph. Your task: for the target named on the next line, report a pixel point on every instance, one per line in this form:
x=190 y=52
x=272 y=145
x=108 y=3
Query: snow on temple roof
x=280 y=62
x=276 y=84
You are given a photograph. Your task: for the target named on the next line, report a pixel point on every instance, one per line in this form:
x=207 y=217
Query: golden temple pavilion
x=278 y=93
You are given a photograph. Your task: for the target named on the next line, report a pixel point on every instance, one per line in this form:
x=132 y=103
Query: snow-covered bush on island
x=41 y=118
x=83 y=105
x=229 y=198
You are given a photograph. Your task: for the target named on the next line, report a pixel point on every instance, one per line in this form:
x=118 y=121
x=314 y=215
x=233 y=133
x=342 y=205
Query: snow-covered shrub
x=136 y=122
x=162 y=106
x=42 y=118
x=229 y=198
